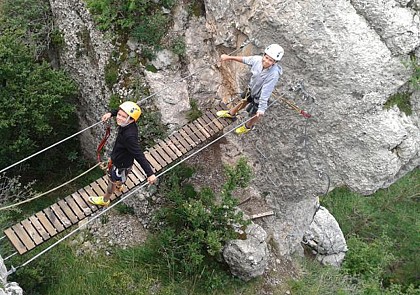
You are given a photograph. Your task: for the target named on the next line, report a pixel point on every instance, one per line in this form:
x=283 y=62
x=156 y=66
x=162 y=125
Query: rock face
x=248 y=258
x=6 y=288
x=350 y=56
x=84 y=56
x=325 y=238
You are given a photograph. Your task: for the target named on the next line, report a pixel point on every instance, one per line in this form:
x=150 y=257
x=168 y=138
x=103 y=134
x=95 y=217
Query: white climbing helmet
x=274 y=51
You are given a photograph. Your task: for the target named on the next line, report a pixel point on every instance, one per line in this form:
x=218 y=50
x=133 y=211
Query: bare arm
x=225 y=57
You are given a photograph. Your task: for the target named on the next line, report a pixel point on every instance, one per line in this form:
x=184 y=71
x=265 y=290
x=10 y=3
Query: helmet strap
x=127 y=122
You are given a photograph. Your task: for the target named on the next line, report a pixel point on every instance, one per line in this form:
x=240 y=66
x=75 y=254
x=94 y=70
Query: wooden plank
x=191 y=133
x=128 y=183
x=38 y=226
x=16 y=242
x=32 y=232
x=207 y=132
x=163 y=154
x=210 y=124
x=61 y=216
x=67 y=210
x=23 y=236
x=182 y=141
x=138 y=171
x=215 y=120
x=187 y=138
x=158 y=158
x=173 y=147
x=197 y=131
x=155 y=165
x=97 y=189
x=76 y=209
x=54 y=219
x=167 y=150
x=82 y=204
x=46 y=223
x=133 y=177
x=203 y=125
x=264 y=214
x=103 y=183
x=85 y=193
x=172 y=139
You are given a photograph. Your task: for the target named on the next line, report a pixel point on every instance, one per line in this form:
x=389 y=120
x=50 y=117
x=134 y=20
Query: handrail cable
x=13 y=269
x=10 y=256
x=51 y=190
x=47 y=148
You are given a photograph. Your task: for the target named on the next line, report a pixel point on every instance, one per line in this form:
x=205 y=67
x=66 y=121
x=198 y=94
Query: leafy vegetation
x=402 y=101
x=36 y=101
x=382 y=234
x=415 y=78
x=194 y=112
x=141 y=19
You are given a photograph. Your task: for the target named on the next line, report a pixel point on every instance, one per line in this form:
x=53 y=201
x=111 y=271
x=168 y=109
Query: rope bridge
x=49 y=222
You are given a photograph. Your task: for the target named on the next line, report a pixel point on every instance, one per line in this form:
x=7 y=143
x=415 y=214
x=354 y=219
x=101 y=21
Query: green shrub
x=151 y=29
x=369 y=260
x=402 y=101
x=178 y=46
x=389 y=214
x=194 y=112
x=194 y=226
x=111 y=73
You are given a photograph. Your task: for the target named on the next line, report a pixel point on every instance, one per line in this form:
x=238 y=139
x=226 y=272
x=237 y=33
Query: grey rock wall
x=84 y=56
x=350 y=55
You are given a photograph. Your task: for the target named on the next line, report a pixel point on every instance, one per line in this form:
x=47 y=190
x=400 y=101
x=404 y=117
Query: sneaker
x=224 y=114
x=243 y=129
x=99 y=201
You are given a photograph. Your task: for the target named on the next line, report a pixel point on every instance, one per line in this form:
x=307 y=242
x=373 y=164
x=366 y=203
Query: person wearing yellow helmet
x=126 y=149
x=265 y=74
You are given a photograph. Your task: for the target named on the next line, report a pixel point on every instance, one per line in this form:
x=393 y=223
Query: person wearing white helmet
x=126 y=149
x=265 y=74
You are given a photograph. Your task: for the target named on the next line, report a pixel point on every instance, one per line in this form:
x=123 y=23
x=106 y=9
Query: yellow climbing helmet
x=132 y=109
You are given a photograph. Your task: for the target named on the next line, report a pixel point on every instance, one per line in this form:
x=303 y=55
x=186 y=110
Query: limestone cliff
x=350 y=56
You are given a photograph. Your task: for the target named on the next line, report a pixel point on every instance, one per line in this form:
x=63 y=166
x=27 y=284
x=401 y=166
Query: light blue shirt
x=262 y=81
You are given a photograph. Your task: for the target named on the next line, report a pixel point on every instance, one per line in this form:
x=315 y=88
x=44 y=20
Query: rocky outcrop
x=84 y=56
x=351 y=58
x=325 y=239
x=248 y=258
x=6 y=288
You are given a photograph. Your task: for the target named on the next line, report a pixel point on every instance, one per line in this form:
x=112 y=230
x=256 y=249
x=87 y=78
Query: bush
x=193 y=227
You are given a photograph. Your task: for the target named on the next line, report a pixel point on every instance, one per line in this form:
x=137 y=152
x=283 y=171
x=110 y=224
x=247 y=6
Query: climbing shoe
x=224 y=114
x=243 y=129
x=99 y=201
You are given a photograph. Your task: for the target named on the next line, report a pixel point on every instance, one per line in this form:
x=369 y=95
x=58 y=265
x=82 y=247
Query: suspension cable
x=13 y=269
x=47 y=148
x=10 y=256
x=51 y=190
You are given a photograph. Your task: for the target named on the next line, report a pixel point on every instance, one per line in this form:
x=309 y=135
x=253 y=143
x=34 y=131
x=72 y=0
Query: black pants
x=252 y=107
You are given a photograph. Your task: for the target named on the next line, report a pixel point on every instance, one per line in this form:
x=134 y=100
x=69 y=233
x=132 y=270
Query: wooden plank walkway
x=49 y=222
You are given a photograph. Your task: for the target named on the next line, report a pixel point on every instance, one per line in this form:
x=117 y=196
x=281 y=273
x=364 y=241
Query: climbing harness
x=101 y=145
